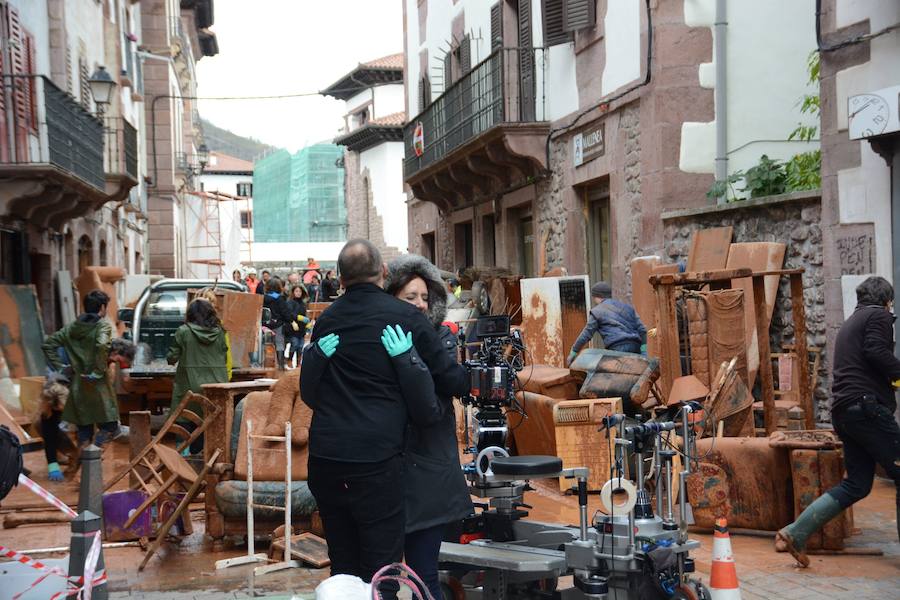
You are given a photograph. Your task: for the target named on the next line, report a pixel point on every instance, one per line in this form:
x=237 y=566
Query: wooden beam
x=700 y=277
x=766 y=380
x=798 y=310
x=667 y=334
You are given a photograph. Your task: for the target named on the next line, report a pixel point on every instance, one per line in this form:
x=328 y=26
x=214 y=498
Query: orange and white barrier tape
x=50 y=498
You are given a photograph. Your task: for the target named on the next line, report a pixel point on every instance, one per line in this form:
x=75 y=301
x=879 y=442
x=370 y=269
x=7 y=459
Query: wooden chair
x=158 y=468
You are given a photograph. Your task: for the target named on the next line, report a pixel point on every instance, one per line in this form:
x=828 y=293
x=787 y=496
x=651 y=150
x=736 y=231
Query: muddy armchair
x=226 y=498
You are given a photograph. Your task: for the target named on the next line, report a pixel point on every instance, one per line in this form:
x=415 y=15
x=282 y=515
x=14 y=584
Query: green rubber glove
x=395 y=341
x=53 y=472
x=570 y=358
x=329 y=344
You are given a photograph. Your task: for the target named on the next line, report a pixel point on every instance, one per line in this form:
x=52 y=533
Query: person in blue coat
x=615 y=321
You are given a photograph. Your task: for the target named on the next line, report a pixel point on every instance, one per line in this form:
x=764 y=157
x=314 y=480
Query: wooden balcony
x=486 y=133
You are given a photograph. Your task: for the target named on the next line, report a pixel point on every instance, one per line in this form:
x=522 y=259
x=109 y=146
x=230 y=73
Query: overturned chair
x=226 y=495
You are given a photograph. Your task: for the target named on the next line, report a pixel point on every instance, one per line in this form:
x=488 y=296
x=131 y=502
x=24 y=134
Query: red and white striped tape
x=74 y=584
x=50 y=498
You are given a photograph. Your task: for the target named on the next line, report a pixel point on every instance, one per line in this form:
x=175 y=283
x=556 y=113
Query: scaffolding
x=208 y=243
x=300 y=197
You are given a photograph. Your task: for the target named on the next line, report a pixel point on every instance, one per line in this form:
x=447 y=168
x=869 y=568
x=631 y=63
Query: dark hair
x=122 y=347
x=266 y=272
x=94 y=301
x=202 y=312
x=359 y=262
x=874 y=291
x=302 y=288
x=274 y=285
x=398 y=283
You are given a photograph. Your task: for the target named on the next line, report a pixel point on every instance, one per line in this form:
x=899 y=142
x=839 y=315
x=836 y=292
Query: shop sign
x=589 y=143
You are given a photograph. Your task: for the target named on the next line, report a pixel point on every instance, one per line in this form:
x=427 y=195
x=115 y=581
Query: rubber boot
x=816 y=515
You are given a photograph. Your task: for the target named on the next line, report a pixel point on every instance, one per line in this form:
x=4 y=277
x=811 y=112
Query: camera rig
x=496 y=554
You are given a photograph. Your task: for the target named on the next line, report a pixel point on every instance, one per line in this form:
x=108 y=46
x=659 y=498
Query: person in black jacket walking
x=862 y=412
x=280 y=316
x=360 y=414
x=295 y=328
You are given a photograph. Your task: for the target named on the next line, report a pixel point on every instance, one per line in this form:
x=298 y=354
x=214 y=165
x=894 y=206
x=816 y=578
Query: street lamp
x=203 y=156
x=101 y=85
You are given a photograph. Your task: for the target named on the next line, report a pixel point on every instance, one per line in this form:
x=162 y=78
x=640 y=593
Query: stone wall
x=363 y=221
x=550 y=214
x=629 y=198
x=794 y=219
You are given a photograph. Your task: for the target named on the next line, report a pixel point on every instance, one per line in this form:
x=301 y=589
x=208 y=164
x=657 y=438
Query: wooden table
x=152 y=389
x=218 y=435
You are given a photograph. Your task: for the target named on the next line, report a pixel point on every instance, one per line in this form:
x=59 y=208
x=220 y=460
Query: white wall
x=864 y=191
x=768 y=42
x=33 y=17
x=358 y=100
x=264 y=252
x=388 y=100
x=385 y=164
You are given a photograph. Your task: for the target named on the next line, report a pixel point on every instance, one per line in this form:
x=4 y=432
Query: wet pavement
x=186 y=571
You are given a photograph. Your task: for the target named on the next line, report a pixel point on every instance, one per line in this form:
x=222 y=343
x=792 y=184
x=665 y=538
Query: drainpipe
x=720 y=99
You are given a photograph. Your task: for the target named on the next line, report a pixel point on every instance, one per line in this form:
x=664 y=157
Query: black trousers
x=54 y=439
x=870 y=435
x=421 y=553
x=361 y=505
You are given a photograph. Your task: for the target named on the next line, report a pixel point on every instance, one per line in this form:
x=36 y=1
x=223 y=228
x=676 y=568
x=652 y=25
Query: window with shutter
x=553 y=23
x=448 y=70
x=4 y=140
x=496 y=26
x=465 y=55
x=579 y=14
x=424 y=92
x=84 y=88
x=31 y=86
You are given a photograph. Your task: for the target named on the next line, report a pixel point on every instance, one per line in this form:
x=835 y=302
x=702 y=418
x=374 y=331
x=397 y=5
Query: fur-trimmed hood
x=421 y=266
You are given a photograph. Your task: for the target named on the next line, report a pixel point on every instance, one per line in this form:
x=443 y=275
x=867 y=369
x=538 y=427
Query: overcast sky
x=269 y=47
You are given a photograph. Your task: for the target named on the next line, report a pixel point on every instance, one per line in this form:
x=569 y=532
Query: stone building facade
x=540 y=140
x=793 y=219
x=372 y=137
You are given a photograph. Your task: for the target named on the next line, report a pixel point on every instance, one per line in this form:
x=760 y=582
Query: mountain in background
x=226 y=142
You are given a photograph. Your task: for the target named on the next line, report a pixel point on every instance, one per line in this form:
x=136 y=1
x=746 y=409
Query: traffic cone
x=723 y=581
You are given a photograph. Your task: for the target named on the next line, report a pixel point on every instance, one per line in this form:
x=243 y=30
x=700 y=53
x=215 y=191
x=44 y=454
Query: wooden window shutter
x=553 y=23
x=31 y=66
x=524 y=38
x=424 y=93
x=579 y=14
x=448 y=70
x=4 y=140
x=465 y=55
x=84 y=87
x=496 y=26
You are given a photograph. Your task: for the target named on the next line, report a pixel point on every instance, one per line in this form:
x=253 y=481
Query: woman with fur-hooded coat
x=436 y=490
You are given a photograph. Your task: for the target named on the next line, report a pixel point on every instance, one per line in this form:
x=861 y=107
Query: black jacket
x=329 y=289
x=864 y=361
x=281 y=314
x=436 y=489
x=359 y=413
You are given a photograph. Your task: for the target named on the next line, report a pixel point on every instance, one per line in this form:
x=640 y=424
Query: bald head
x=360 y=262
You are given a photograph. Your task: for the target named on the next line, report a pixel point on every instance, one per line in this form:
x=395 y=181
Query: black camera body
x=492 y=376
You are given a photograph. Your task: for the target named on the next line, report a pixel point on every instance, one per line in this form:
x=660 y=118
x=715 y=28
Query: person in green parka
x=202 y=352
x=86 y=342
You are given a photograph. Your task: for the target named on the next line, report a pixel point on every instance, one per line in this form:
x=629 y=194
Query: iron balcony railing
x=41 y=124
x=507 y=87
x=121 y=147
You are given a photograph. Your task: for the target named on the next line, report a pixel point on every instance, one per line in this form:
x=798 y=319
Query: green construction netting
x=300 y=197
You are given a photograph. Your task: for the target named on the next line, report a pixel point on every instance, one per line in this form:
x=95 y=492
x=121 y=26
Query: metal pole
x=287 y=492
x=720 y=97
x=251 y=550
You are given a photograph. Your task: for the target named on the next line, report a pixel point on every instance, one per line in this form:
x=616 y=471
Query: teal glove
x=396 y=342
x=329 y=344
x=570 y=358
x=53 y=472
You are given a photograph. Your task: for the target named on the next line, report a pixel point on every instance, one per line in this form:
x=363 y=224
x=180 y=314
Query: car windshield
x=167 y=304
